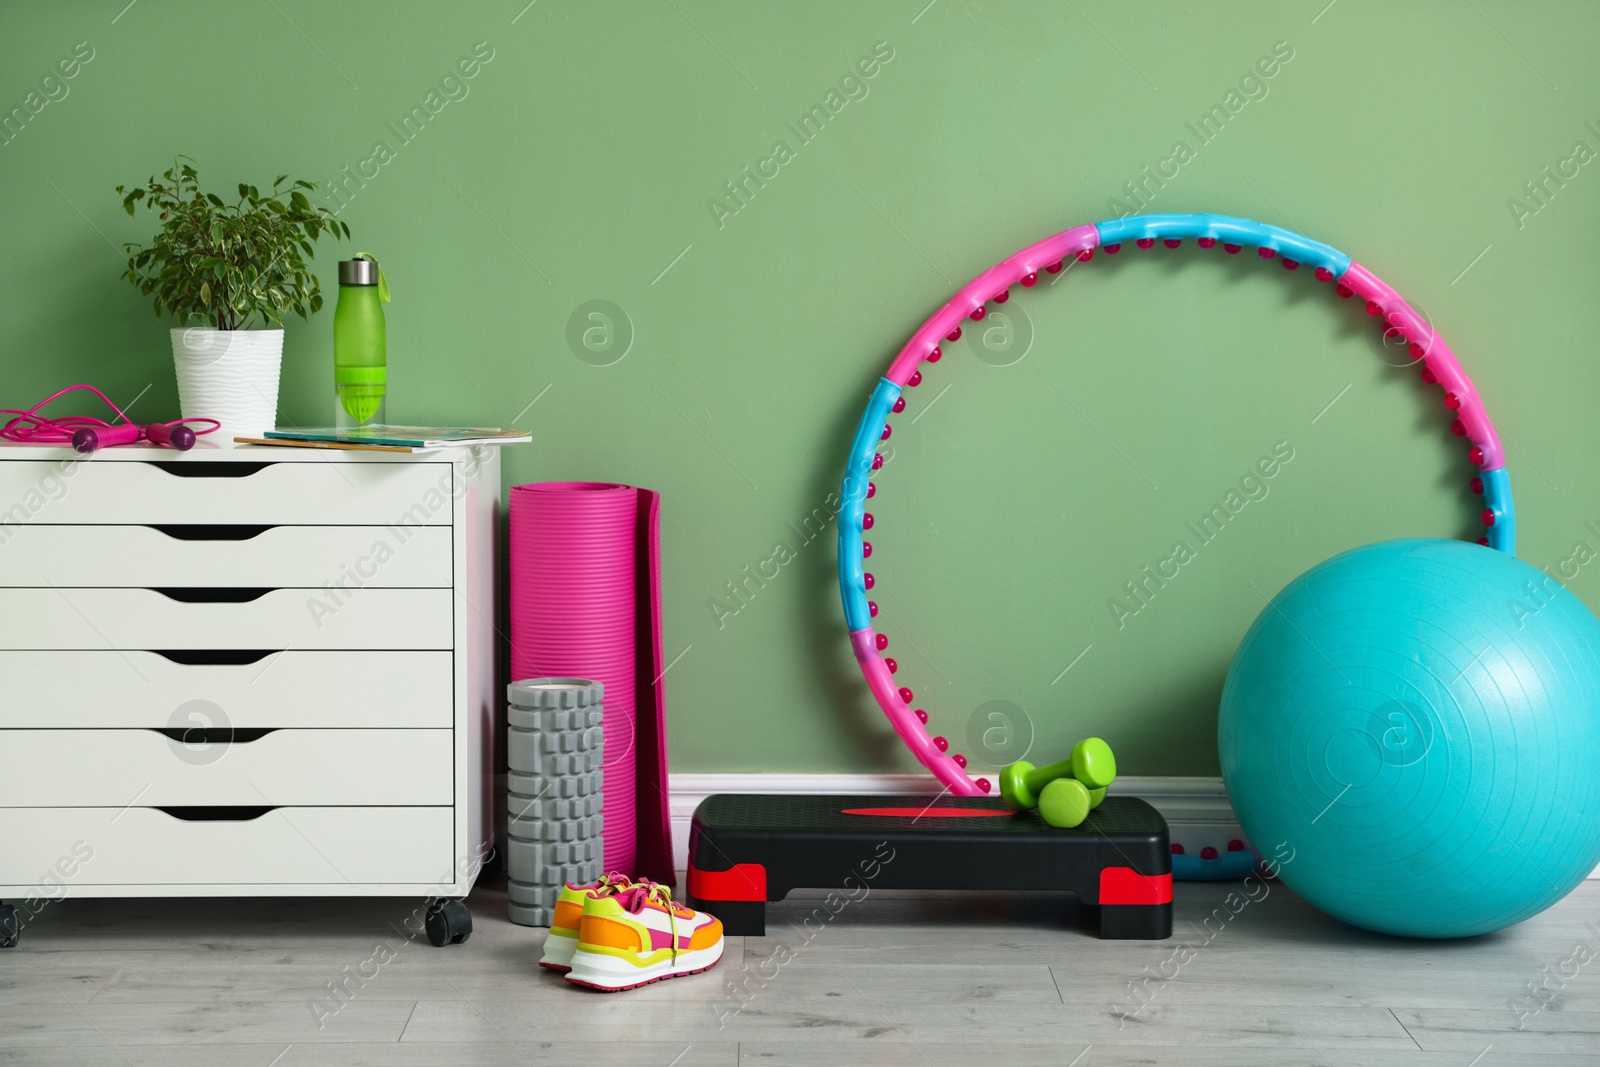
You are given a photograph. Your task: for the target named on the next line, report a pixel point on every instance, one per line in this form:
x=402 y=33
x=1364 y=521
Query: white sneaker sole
x=610 y=974
x=558 y=952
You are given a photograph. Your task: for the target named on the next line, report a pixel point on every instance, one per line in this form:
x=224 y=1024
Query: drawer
x=136 y=689
x=234 y=555
x=272 y=619
x=194 y=766
x=284 y=846
x=277 y=493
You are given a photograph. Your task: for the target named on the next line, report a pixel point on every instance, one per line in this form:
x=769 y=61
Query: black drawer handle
x=240 y=813
x=215 y=657
x=200 y=595
x=196 y=531
x=213 y=735
x=223 y=469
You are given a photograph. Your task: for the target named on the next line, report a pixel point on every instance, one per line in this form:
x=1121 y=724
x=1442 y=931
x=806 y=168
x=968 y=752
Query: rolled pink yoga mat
x=586 y=603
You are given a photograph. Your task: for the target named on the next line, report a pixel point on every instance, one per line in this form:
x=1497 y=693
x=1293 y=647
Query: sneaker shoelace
x=645 y=890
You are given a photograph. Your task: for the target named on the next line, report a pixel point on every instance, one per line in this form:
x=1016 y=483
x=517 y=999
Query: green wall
x=581 y=164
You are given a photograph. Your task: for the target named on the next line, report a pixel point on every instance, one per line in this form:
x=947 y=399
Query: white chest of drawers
x=252 y=672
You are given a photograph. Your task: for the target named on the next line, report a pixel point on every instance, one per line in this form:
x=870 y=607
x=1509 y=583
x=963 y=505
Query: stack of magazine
x=389 y=438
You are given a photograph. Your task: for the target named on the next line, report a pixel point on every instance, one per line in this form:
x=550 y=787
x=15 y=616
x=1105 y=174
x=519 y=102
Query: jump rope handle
x=90 y=438
x=172 y=434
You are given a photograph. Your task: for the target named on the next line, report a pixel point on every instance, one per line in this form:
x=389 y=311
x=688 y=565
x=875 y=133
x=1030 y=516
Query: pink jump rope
x=87 y=433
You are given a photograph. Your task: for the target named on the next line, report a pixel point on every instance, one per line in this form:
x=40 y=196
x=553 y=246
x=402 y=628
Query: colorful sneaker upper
x=569 y=905
x=563 y=937
x=641 y=935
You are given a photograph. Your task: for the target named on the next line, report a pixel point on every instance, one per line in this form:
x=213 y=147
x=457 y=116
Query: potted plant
x=228 y=273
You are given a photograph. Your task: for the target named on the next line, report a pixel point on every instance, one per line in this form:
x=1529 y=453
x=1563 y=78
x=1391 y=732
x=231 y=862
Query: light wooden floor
x=889 y=980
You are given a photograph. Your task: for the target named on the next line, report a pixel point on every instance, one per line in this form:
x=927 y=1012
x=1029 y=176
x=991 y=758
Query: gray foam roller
x=557 y=787
x=534 y=865
x=535 y=905
x=555 y=766
x=555 y=744
x=537 y=896
x=528 y=854
x=528 y=747
x=572 y=851
x=530 y=915
x=576 y=719
x=535 y=829
x=527 y=752
x=522 y=807
x=555 y=693
x=588 y=741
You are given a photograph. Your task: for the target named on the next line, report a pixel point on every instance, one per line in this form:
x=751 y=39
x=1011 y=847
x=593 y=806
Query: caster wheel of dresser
x=448 y=923
x=10 y=926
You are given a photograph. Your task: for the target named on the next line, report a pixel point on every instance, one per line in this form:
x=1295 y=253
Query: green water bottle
x=360 y=361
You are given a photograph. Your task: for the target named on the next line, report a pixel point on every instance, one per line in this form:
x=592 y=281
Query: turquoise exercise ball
x=1412 y=731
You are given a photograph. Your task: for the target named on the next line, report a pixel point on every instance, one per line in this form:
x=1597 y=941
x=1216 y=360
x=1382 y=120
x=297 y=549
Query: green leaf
x=228 y=264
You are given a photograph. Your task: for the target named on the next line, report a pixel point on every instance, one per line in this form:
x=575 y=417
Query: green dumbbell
x=1091 y=764
x=1065 y=803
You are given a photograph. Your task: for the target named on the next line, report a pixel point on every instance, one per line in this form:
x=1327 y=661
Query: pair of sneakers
x=619 y=934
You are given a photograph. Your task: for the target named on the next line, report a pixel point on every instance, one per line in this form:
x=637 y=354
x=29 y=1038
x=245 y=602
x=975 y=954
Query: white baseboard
x=1196 y=809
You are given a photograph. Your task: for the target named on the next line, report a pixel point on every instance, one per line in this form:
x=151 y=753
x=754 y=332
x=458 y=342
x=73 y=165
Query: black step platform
x=745 y=850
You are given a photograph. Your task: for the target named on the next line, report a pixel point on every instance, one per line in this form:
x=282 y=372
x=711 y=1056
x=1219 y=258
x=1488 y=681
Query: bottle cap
x=358 y=272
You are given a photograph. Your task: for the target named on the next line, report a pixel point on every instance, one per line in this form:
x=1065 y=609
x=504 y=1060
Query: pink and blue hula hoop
x=1350 y=279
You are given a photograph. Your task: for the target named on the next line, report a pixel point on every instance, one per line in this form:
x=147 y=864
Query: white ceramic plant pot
x=230 y=376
